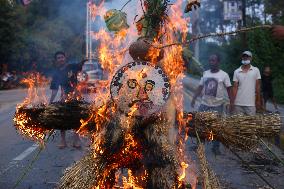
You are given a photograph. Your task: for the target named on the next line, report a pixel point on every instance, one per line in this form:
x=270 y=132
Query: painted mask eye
x=132 y=83
x=149 y=85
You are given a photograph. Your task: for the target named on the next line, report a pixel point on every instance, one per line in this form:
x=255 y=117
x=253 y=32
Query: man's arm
x=229 y=91
x=257 y=93
x=278 y=32
x=196 y=94
x=233 y=95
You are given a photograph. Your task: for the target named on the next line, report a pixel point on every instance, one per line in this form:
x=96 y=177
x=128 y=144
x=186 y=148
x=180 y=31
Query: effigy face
x=140 y=89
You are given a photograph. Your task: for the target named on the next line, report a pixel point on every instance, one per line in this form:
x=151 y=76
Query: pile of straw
x=210 y=181
x=59 y=115
x=238 y=131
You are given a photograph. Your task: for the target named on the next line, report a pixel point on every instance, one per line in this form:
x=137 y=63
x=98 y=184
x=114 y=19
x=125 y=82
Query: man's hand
x=278 y=32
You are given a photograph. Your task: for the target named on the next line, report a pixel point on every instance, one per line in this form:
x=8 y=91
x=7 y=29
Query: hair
x=58 y=53
x=217 y=56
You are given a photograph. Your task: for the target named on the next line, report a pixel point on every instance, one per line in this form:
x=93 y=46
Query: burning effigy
x=137 y=122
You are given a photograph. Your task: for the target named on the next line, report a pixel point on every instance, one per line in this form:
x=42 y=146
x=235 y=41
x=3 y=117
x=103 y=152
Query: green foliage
x=35 y=32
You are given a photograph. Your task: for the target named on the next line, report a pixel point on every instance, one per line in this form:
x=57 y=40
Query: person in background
x=213 y=86
x=278 y=32
x=65 y=76
x=267 y=89
x=246 y=87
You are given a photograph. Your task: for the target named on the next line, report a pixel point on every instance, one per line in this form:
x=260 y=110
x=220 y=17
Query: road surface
x=17 y=152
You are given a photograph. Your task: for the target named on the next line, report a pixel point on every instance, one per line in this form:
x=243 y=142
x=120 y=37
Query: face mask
x=245 y=62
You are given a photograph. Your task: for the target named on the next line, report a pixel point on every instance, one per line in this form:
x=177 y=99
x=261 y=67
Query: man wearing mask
x=213 y=86
x=246 y=87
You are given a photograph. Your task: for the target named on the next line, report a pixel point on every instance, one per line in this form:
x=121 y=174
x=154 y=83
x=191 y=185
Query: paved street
x=17 y=152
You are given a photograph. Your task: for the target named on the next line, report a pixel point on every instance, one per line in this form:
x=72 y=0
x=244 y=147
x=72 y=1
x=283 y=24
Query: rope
x=29 y=167
x=125 y=4
x=215 y=35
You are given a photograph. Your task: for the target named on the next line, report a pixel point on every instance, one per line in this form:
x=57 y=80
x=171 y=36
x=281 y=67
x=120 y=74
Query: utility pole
x=244 y=5
x=196 y=31
x=244 y=24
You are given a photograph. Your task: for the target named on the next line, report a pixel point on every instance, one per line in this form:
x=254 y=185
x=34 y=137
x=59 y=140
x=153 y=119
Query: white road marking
x=19 y=158
x=26 y=153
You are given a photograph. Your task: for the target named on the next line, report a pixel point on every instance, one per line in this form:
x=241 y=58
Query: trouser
x=245 y=110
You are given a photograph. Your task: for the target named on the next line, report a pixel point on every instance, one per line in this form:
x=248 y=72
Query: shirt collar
x=241 y=70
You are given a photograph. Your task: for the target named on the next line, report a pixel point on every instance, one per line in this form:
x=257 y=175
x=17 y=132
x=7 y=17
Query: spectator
x=267 y=89
x=278 y=32
x=213 y=85
x=246 y=88
x=65 y=76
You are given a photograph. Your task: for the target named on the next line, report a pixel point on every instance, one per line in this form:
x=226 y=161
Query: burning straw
x=238 y=131
x=35 y=121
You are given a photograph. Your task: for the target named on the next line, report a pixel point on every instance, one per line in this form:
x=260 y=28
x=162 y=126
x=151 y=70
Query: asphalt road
x=16 y=153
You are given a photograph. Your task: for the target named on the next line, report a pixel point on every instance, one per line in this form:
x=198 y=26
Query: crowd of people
x=12 y=79
x=9 y=80
x=249 y=93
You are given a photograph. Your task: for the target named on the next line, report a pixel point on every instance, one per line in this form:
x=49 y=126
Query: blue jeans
x=219 y=109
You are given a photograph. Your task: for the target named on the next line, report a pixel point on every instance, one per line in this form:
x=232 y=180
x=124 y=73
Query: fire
x=182 y=176
x=178 y=22
x=130 y=182
x=36 y=98
x=36 y=89
x=22 y=120
x=133 y=109
x=96 y=9
x=211 y=136
x=111 y=49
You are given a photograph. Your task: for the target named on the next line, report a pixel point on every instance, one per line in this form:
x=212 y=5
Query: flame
x=130 y=183
x=96 y=10
x=133 y=109
x=211 y=136
x=111 y=49
x=182 y=176
x=36 y=89
x=35 y=98
x=22 y=122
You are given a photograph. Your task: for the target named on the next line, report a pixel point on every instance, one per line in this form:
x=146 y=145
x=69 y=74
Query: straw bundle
x=238 y=131
x=210 y=181
x=65 y=115
x=59 y=115
x=83 y=174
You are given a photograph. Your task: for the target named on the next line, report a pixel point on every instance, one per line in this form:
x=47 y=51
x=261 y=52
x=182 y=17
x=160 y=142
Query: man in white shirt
x=246 y=88
x=213 y=86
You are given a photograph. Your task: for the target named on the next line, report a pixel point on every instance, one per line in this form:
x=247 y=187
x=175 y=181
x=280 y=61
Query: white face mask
x=245 y=62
